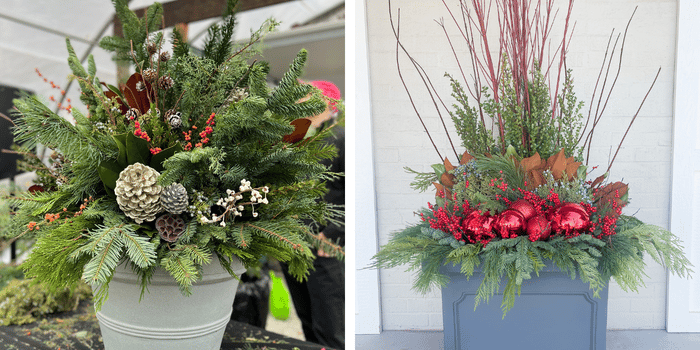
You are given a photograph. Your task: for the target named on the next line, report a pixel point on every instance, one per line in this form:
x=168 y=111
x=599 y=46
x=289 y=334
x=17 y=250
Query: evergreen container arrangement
x=515 y=204
x=193 y=160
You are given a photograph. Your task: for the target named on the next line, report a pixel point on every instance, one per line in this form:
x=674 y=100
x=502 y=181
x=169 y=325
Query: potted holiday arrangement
x=516 y=214
x=168 y=186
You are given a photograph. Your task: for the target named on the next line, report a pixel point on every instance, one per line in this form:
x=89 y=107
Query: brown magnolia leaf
x=466 y=157
x=447 y=179
x=536 y=179
x=140 y=100
x=35 y=189
x=598 y=180
x=608 y=191
x=532 y=163
x=572 y=168
x=301 y=126
x=606 y=195
x=440 y=188
x=533 y=167
x=448 y=165
x=557 y=164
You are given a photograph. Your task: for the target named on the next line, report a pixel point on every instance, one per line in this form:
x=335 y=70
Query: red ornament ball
x=570 y=218
x=509 y=223
x=538 y=228
x=525 y=208
x=479 y=227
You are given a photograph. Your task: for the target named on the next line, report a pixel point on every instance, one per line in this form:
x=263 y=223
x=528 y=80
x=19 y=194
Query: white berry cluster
x=233 y=206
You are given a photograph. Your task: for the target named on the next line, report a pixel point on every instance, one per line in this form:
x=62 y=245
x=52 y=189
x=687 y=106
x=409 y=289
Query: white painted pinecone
x=174 y=198
x=138 y=192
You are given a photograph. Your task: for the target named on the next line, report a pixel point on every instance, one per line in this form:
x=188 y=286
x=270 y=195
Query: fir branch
x=139 y=249
x=322 y=243
x=283 y=99
x=218 y=45
x=276 y=235
x=197 y=254
x=105 y=259
x=180 y=46
x=182 y=268
x=38 y=124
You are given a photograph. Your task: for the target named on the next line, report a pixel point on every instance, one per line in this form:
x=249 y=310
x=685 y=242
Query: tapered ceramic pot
x=552 y=312
x=164 y=318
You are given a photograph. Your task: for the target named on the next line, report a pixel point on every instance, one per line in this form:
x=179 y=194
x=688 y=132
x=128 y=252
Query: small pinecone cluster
x=174 y=199
x=170 y=227
x=138 y=192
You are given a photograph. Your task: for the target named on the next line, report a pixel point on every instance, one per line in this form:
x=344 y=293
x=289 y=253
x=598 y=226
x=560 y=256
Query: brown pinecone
x=165 y=82
x=164 y=56
x=151 y=47
x=150 y=74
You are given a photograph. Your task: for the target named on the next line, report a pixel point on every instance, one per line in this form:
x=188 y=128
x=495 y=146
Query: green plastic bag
x=279 y=298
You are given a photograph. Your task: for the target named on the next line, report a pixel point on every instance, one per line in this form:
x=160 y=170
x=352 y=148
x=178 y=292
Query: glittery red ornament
x=479 y=228
x=538 y=228
x=525 y=208
x=510 y=223
x=570 y=218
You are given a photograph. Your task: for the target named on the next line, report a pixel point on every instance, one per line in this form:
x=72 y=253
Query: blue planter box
x=552 y=312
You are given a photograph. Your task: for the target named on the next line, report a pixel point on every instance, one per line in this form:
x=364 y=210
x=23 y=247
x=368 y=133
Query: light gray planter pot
x=164 y=318
x=552 y=312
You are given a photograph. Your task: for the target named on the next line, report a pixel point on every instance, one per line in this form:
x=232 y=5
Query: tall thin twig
x=633 y=119
x=396 y=30
x=595 y=88
x=619 y=68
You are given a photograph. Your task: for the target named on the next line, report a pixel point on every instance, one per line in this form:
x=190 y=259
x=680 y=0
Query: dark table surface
x=79 y=330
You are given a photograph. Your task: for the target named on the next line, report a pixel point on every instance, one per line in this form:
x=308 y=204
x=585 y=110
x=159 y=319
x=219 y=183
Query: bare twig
x=7 y=118
x=633 y=118
x=396 y=31
x=595 y=88
x=619 y=67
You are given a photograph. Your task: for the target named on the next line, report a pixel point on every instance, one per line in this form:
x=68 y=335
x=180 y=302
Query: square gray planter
x=552 y=312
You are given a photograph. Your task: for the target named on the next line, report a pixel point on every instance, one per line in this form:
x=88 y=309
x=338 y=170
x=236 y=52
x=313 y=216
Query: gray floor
x=616 y=340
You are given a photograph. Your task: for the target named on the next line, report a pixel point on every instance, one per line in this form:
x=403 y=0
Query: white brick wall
x=644 y=161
